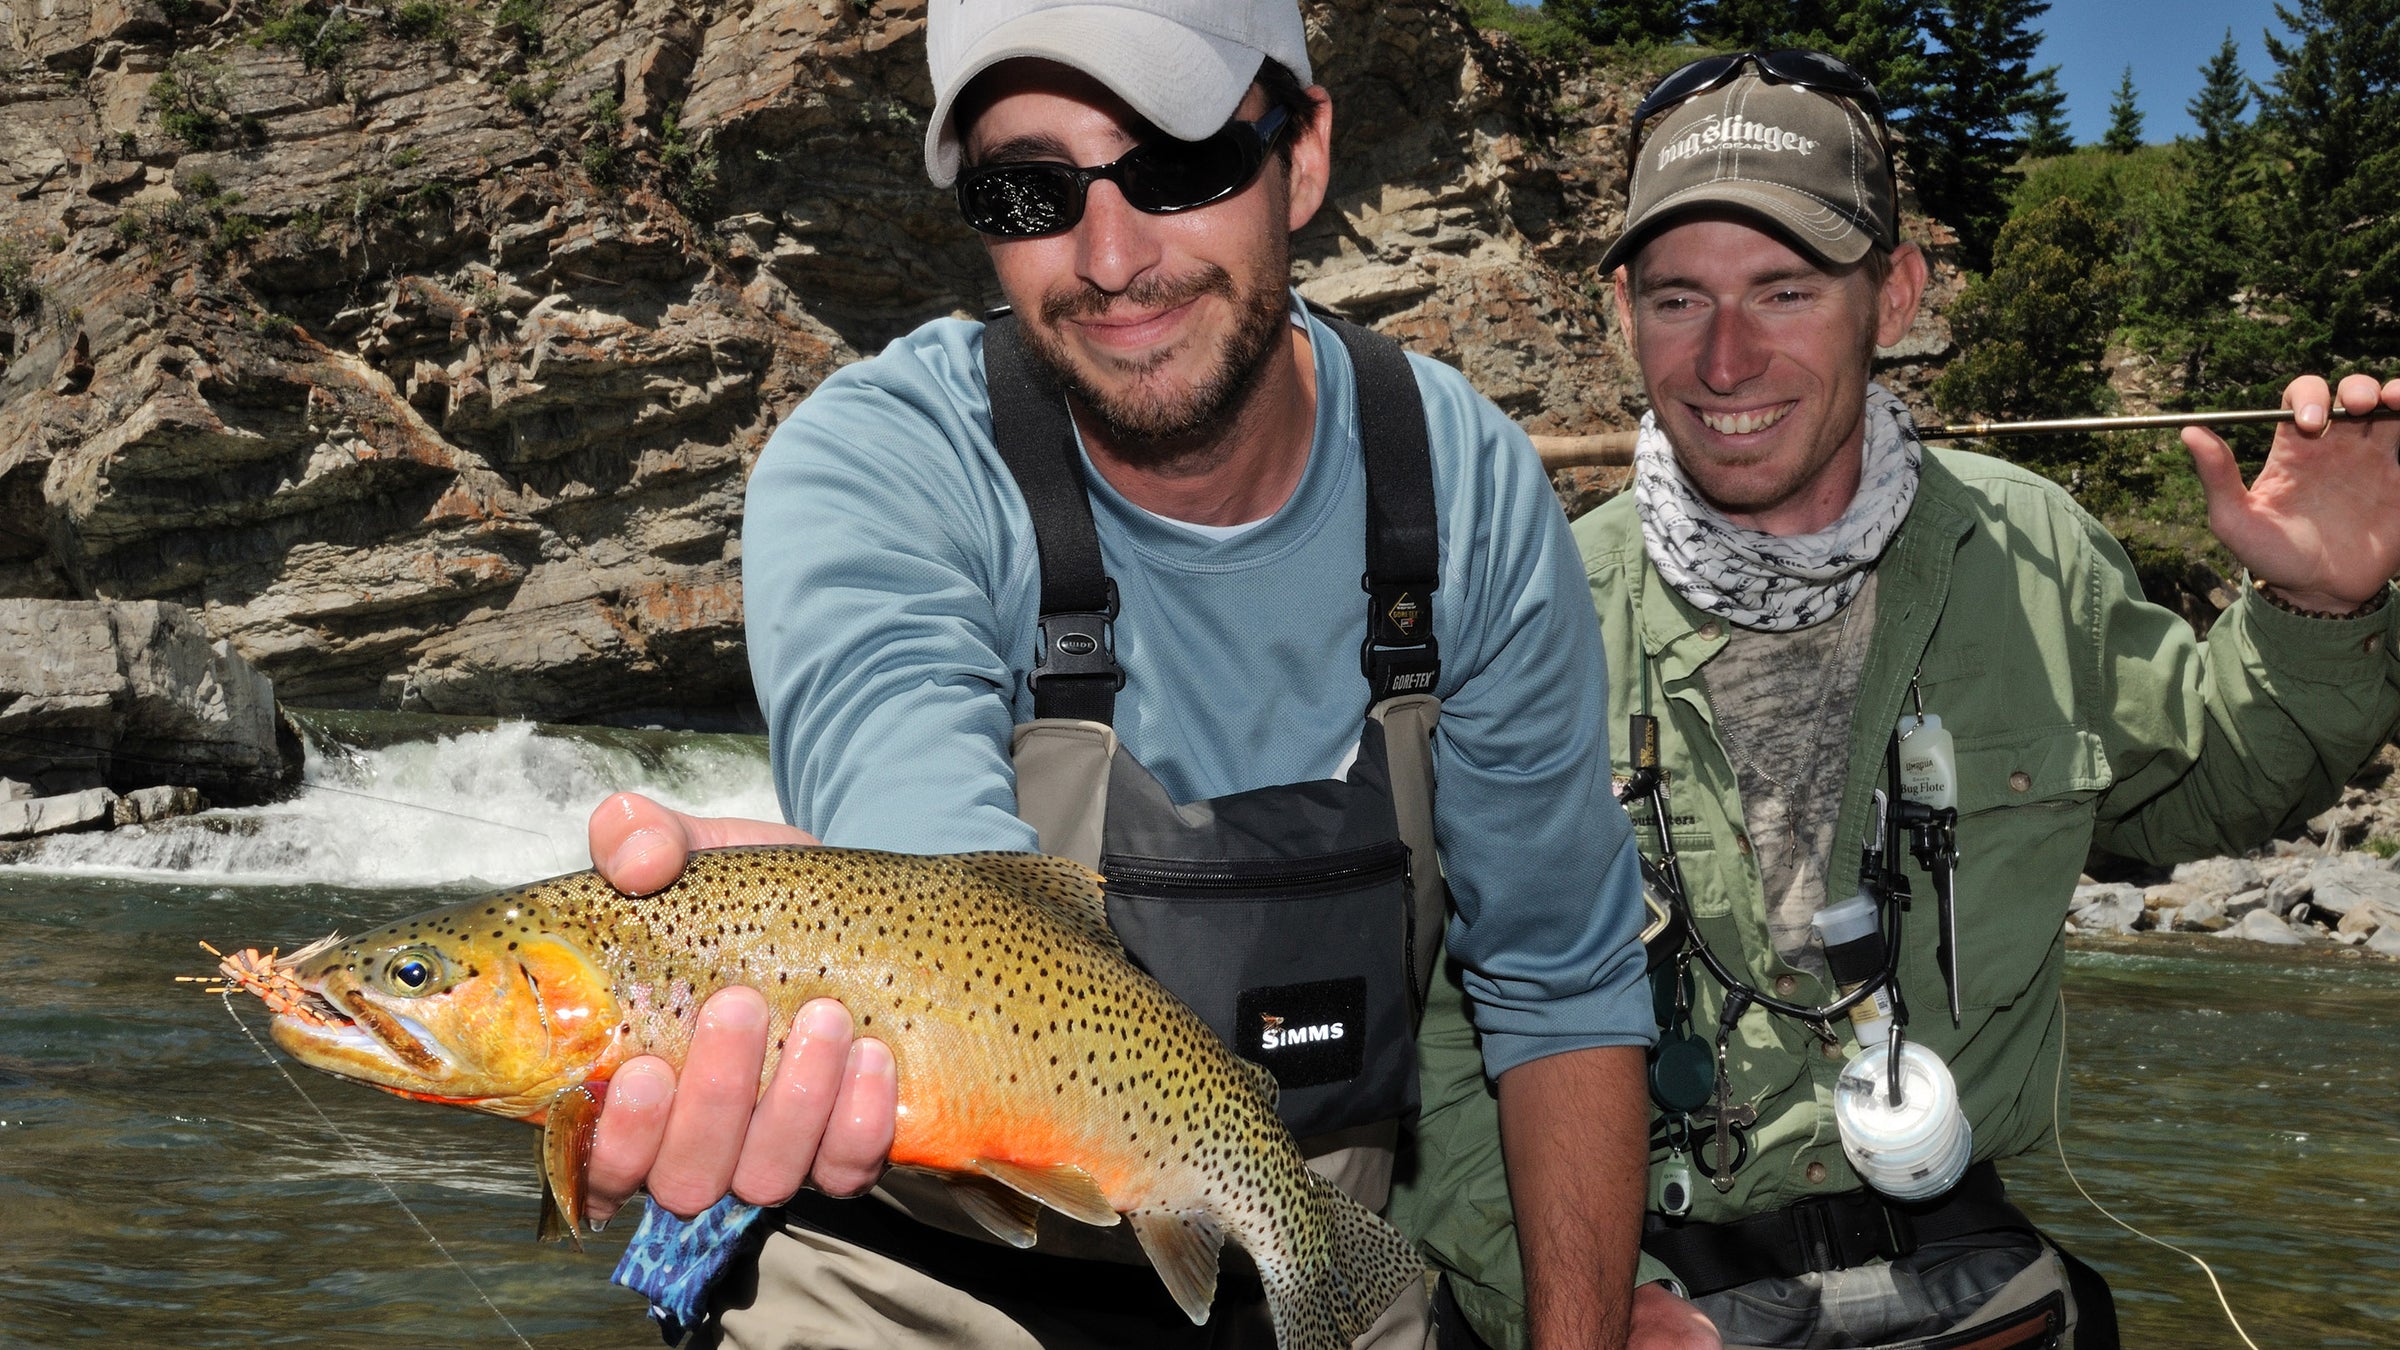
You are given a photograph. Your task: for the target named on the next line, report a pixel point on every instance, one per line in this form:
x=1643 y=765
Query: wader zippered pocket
x=1301 y=964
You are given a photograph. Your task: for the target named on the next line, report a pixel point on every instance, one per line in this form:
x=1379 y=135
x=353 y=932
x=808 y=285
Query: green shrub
x=18 y=293
x=424 y=21
x=601 y=160
x=319 y=40
x=191 y=97
x=525 y=16
x=689 y=170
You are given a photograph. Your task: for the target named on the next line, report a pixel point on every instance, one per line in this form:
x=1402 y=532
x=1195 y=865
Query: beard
x=1150 y=418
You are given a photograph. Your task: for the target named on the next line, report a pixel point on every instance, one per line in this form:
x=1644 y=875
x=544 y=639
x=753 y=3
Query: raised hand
x=2321 y=524
x=825 y=1119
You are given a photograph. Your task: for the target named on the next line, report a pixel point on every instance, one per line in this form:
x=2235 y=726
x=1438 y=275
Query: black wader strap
x=1075 y=673
x=1404 y=557
x=1833 y=1232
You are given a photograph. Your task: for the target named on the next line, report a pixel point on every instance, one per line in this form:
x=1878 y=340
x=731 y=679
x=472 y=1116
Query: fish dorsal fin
x=1064 y=885
x=1182 y=1246
x=1261 y=1078
x=1003 y=1213
x=1065 y=1187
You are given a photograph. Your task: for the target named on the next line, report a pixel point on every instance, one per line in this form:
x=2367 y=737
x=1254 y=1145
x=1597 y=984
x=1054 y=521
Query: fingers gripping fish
x=1037 y=1067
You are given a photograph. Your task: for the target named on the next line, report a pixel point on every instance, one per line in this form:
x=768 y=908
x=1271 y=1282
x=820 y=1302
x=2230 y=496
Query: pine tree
x=1964 y=140
x=2330 y=222
x=2224 y=96
x=1880 y=39
x=1612 y=22
x=2193 y=258
x=2046 y=134
x=2031 y=333
x=2124 y=119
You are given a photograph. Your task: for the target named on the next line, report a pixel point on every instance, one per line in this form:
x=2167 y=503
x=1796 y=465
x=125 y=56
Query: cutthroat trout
x=1037 y=1067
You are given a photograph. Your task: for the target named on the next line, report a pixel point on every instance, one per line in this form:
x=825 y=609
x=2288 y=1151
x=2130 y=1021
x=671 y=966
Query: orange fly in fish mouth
x=309 y=1014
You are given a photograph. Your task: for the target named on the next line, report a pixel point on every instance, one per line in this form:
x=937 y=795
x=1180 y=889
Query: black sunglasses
x=1026 y=198
x=1787 y=65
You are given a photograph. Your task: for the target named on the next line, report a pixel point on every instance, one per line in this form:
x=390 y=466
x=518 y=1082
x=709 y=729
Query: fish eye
x=411 y=972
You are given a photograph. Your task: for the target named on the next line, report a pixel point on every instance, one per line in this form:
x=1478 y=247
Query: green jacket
x=2082 y=716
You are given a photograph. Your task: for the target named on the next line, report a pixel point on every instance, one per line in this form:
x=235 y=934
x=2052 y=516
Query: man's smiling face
x=1160 y=324
x=1756 y=358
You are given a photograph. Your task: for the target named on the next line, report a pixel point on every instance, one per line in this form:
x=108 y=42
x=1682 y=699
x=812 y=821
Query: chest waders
x=1300 y=921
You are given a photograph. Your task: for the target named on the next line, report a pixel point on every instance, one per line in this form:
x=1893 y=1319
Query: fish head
x=486 y=1005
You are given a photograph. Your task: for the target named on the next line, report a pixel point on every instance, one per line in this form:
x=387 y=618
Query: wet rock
x=2218 y=876
x=121 y=695
x=144 y=805
x=32 y=817
x=2110 y=908
x=2342 y=886
x=2243 y=902
x=2385 y=941
x=2204 y=915
x=2292 y=888
x=2260 y=926
x=2368 y=916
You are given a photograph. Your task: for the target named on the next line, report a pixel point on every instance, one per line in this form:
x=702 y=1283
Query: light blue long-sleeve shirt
x=892 y=588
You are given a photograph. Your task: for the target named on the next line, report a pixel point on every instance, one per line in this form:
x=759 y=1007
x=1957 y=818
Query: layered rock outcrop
x=421 y=349
x=101 y=704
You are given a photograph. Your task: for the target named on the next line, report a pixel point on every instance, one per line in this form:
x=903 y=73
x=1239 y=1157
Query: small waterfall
x=499 y=804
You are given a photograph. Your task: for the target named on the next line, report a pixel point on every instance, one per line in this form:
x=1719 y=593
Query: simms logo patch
x=1274 y=1035
x=1305 y=1034
x=1732 y=133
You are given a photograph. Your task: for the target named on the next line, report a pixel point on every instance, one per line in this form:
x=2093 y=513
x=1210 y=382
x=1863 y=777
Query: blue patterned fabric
x=672 y=1262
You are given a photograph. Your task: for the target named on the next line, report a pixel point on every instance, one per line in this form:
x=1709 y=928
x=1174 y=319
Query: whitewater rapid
x=501 y=805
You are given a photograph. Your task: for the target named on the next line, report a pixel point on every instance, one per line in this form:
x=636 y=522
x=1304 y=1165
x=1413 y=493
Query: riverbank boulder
x=125 y=696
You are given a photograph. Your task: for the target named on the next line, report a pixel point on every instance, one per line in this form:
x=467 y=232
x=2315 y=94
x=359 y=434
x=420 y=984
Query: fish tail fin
x=1339 y=1276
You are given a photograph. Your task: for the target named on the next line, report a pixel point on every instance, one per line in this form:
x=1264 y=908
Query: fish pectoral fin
x=566 y=1145
x=1004 y=1213
x=1261 y=1078
x=1182 y=1246
x=1065 y=1187
x=1068 y=888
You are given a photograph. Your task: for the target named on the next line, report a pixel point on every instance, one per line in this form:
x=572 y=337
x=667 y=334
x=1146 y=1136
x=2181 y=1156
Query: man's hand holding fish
x=826 y=1118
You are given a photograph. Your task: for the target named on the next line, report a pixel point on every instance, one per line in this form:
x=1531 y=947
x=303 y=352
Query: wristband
x=2365 y=607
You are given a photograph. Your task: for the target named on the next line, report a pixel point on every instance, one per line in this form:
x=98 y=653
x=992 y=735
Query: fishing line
x=366 y=1160
x=2058 y=1136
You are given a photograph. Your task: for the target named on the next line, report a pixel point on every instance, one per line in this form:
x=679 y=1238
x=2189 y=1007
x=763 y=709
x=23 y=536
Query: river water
x=162 y=1182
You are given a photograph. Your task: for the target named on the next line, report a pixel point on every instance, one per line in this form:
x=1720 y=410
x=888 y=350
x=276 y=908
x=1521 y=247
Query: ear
x=1903 y=286
x=1311 y=172
x=1621 y=286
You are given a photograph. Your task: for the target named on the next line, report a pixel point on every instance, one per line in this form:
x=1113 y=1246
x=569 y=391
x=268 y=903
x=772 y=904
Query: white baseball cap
x=1182 y=64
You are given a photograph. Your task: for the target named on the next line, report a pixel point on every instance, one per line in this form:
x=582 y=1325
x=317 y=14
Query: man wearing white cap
x=1926 y=679
x=1088 y=579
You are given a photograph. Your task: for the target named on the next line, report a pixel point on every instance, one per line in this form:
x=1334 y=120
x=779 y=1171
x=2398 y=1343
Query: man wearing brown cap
x=1924 y=677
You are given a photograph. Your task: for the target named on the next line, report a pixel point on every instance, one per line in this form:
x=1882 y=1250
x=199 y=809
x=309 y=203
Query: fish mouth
x=332 y=1024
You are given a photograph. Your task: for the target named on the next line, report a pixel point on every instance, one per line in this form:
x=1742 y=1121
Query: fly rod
x=1616 y=447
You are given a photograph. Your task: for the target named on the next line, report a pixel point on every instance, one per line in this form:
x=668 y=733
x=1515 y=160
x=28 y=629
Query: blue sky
x=2166 y=42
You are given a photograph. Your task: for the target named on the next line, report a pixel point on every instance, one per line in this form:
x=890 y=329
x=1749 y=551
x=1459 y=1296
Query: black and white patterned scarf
x=1766 y=581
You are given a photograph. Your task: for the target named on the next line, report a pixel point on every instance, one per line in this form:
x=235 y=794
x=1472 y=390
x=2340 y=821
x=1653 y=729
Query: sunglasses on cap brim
x=1023 y=199
x=1809 y=70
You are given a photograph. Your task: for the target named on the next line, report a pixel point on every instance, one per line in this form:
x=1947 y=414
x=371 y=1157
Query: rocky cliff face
x=422 y=348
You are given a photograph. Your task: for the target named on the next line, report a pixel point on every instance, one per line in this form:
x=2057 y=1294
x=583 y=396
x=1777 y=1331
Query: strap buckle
x=1399 y=655
x=1079 y=644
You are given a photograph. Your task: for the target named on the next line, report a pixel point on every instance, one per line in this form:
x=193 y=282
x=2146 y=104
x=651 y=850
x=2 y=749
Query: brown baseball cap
x=1810 y=165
